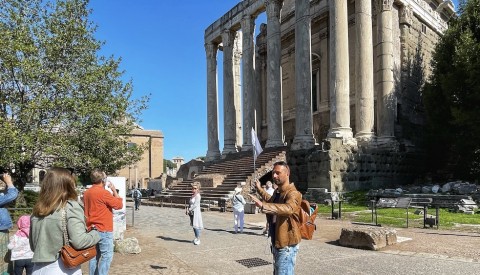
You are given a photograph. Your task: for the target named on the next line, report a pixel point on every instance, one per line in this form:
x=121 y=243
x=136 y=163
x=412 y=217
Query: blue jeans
x=23 y=264
x=101 y=263
x=197 y=233
x=284 y=259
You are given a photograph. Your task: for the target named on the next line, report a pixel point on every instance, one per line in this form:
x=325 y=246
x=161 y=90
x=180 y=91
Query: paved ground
x=165 y=237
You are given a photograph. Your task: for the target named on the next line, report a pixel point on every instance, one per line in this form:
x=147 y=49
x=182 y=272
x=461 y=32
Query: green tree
x=168 y=164
x=61 y=102
x=452 y=96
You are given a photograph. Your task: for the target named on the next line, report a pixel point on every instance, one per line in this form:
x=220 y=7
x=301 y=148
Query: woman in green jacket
x=46 y=234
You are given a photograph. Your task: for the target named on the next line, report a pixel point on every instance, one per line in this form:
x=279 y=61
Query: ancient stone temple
x=337 y=81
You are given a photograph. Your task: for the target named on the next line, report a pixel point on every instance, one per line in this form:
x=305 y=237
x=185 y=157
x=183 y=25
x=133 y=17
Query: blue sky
x=161 y=46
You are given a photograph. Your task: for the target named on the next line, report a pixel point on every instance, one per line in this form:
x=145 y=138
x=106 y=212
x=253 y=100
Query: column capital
x=406 y=15
x=384 y=5
x=273 y=7
x=228 y=37
x=248 y=24
x=211 y=49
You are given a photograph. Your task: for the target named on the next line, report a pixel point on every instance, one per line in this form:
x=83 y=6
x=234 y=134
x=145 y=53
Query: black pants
x=21 y=264
x=137 y=204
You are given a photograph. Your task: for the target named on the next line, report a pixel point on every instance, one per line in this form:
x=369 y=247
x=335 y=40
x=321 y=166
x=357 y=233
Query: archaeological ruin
x=334 y=82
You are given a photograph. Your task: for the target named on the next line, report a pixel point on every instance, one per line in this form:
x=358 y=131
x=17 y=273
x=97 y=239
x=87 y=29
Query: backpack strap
x=296 y=219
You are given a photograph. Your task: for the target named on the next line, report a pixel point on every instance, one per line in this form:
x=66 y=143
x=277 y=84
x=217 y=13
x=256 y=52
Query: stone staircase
x=235 y=168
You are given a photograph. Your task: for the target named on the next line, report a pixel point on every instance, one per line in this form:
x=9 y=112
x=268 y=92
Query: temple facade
x=337 y=81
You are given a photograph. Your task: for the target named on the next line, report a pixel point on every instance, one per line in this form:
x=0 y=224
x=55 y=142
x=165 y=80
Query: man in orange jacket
x=99 y=205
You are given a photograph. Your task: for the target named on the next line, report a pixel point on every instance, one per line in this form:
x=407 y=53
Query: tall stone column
x=364 y=104
x=339 y=71
x=228 y=39
x=237 y=90
x=274 y=74
x=248 y=28
x=213 y=151
x=385 y=80
x=303 y=77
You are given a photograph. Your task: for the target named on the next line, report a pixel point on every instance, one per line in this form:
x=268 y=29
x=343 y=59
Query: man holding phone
x=9 y=195
x=99 y=205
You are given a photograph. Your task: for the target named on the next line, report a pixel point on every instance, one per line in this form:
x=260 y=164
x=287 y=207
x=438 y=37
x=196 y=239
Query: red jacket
x=98 y=207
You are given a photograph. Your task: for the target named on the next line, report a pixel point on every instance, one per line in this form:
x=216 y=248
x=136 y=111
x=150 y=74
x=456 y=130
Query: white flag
x=257 y=148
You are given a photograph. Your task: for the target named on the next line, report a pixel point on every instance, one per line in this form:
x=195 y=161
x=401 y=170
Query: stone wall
x=210 y=180
x=191 y=168
x=343 y=167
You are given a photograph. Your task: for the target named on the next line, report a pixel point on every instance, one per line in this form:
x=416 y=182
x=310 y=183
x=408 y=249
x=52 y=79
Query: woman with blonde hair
x=195 y=212
x=57 y=201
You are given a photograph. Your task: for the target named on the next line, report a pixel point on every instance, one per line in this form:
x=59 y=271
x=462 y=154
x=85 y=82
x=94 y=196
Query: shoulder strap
x=64 y=226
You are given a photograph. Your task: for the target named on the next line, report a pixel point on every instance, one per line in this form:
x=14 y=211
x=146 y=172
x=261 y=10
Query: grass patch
x=397 y=217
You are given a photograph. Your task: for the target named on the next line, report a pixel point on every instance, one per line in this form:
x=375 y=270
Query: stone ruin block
x=464 y=188
x=368 y=237
x=210 y=180
x=467 y=206
x=128 y=246
x=319 y=195
x=418 y=212
x=386 y=202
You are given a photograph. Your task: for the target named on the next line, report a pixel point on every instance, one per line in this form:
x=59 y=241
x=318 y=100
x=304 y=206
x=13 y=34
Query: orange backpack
x=306 y=222
x=306 y=218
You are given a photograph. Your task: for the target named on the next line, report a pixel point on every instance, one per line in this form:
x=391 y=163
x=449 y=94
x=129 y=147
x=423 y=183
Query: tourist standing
x=137 y=197
x=9 y=194
x=284 y=205
x=57 y=196
x=99 y=206
x=269 y=189
x=238 y=203
x=195 y=212
x=21 y=254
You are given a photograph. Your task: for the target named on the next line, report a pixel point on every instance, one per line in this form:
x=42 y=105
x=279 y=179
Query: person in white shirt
x=194 y=212
x=238 y=203
x=269 y=188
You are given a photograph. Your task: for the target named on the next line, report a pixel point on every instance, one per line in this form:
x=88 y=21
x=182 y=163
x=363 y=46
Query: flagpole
x=254 y=170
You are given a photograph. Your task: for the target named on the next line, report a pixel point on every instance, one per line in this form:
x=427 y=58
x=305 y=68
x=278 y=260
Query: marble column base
x=274 y=143
x=364 y=136
x=340 y=132
x=228 y=149
x=303 y=142
x=247 y=147
x=212 y=155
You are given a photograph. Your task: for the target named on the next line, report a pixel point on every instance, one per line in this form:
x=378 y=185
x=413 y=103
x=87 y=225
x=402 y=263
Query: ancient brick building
x=151 y=164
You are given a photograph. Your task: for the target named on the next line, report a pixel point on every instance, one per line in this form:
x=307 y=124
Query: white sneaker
x=196 y=242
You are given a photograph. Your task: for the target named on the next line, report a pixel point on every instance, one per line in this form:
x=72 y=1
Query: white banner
x=257 y=148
